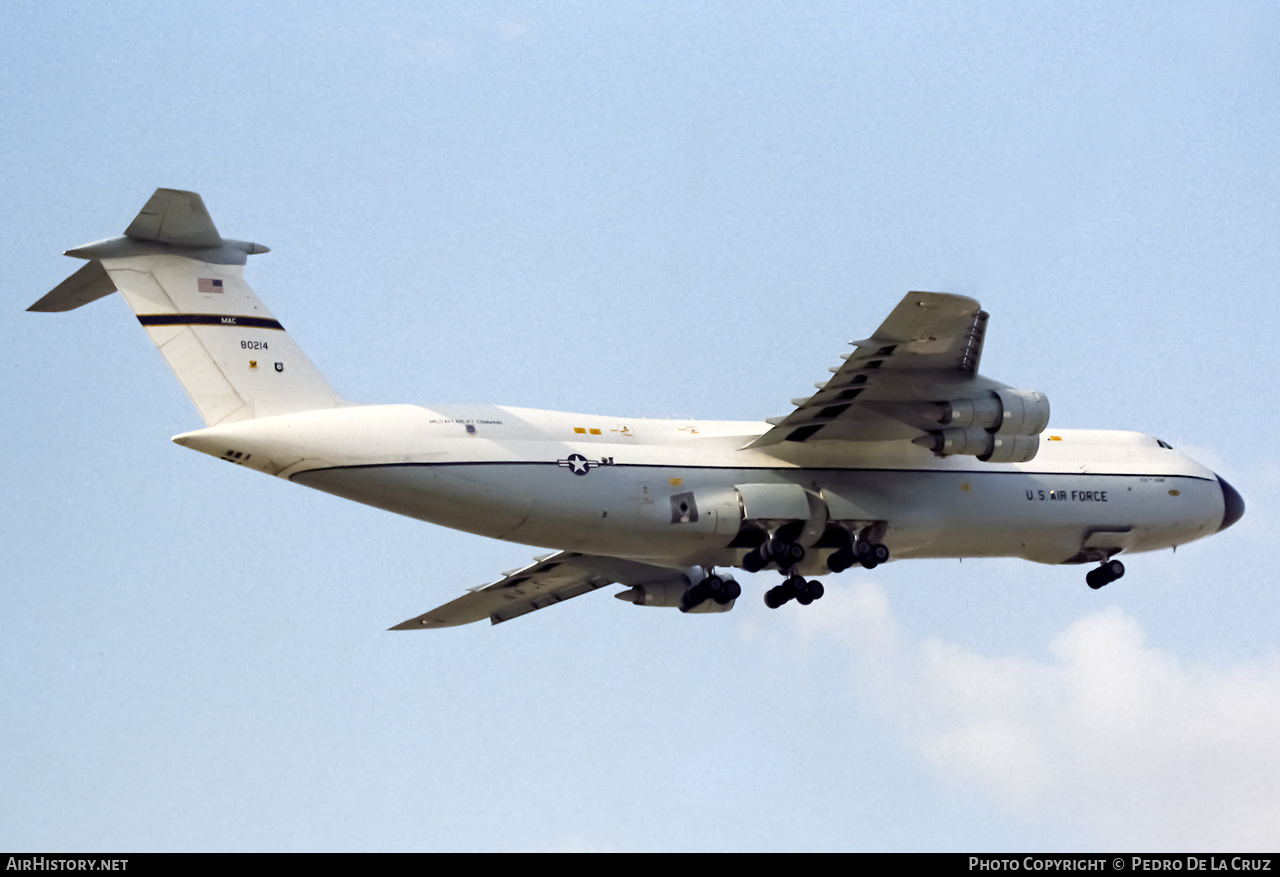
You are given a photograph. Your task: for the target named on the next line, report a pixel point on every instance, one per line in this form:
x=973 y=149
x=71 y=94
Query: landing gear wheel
x=775 y=597
x=795 y=554
x=729 y=591
x=800 y=589
x=808 y=592
x=1104 y=575
x=870 y=554
x=775 y=549
x=794 y=588
x=694 y=597
x=785 y=554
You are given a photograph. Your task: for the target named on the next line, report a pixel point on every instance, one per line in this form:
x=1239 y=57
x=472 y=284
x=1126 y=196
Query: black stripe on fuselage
x=781 y=470
x=209 y=320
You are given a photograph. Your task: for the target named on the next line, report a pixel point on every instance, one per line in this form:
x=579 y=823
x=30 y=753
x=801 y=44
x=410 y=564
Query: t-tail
x=185 y=283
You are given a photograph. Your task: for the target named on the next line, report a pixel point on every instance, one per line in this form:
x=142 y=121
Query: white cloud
x=1120 y=740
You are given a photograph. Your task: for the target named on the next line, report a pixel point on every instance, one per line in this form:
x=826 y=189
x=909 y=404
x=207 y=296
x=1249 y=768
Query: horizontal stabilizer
x=175 y=217
x=88 y=284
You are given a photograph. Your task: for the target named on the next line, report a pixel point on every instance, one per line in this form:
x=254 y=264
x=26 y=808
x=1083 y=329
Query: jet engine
x=1006 y=411
x=1002 y=426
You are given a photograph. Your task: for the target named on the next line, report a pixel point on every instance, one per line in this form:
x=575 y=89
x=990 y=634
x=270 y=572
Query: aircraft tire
x=694 y=597
x=785 y=554
x=795 y=554
x=775 y=550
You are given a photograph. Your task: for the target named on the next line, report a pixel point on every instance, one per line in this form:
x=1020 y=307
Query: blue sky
x=658 y=210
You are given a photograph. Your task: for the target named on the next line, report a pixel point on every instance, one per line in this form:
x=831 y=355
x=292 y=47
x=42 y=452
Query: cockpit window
x=1164 y=444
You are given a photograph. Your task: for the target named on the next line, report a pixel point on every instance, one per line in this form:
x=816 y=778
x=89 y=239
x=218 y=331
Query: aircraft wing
x=901 y=383
x=550 y=579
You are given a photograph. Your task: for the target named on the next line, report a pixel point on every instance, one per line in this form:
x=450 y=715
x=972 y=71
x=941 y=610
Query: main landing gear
x=780 y=547
x=794 y=588
x=723 y=591
x=776 y=549
x=787 y=554
x=1105 y=574
x=869 y=554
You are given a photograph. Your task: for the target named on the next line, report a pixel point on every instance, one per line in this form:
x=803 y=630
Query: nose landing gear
x=1105 y=574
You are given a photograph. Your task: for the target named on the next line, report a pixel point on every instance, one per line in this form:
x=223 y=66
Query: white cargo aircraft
x=906 y=451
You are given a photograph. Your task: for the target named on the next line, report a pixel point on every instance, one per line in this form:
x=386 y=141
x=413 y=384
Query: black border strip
x=232 y=320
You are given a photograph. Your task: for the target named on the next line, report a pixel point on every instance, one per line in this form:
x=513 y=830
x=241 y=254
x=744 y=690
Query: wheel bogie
x=795 y=588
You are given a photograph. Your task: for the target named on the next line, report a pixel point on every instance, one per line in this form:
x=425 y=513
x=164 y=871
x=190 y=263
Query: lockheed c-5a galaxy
x=906 y=451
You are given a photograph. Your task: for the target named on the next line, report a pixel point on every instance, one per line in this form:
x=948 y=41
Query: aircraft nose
x=1232 y=503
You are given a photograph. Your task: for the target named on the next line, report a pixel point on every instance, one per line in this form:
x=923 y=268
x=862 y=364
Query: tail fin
x=185 y=283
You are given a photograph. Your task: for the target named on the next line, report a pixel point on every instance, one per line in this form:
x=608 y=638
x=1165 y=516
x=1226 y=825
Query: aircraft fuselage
x=667 y=489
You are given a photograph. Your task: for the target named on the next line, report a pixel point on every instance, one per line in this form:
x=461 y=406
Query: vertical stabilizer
x=185 y=283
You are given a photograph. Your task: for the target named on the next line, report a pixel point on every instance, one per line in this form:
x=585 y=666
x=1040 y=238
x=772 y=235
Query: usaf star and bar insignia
x=580 y=465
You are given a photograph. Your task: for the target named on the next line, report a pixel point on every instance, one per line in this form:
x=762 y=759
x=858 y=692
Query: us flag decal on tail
x=205 y=284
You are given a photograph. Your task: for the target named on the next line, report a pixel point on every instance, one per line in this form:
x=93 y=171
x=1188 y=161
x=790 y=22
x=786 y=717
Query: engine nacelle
x=1026 y=412
x=984 y=413
x=659 y=594
x=970 y=441
x=1012 y=449
x=989 y=447
x=1006 y=411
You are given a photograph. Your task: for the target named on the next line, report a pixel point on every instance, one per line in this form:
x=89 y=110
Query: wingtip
x=420 y=623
